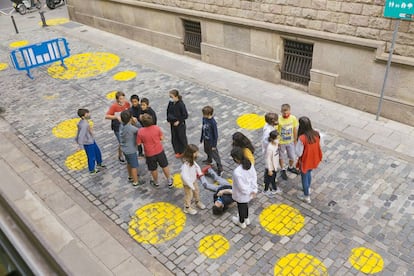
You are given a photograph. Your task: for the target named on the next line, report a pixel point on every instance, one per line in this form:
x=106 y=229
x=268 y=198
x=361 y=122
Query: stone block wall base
x=324 y=85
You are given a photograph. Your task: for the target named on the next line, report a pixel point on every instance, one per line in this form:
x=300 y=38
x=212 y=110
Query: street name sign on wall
x=400 y=9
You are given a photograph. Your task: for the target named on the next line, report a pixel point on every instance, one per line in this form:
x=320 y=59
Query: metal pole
x=14 y=24
x=42 y=16
x=394 y=37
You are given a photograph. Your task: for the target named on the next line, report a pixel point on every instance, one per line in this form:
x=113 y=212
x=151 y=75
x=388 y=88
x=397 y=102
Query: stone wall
x=359 y=18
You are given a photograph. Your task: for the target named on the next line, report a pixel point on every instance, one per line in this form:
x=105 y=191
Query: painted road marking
x=214 y=246
x=281 y=219
x=296 y=264
x=366 y=260
x=251 y=121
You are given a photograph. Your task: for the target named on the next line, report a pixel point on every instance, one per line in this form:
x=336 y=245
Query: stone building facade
x=335 y=49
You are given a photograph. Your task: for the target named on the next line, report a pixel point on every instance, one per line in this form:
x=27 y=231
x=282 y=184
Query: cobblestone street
x=362 y=195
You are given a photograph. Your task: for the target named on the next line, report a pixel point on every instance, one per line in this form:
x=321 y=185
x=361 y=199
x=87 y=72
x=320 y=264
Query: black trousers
x=243 y=211
x=269 y=180
x=212 y=154
x=178 y=137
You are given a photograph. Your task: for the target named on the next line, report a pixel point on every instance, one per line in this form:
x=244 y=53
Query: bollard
x=42 y=16
x=14 y=24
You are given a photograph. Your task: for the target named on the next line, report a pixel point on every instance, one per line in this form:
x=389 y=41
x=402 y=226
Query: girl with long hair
x=244 y=186
x=308 y=149
x=176 y=116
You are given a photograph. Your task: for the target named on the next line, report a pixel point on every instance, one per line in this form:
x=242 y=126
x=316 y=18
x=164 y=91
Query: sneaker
x=304 y=198
x=247 y=221
x=130 y=179
x=101 y=166
x=220 y=173
x=267 y=193
x=284 y=175
x=170 y=183
x=238 y=223
x=139 y=183
x=95 y=171
x=200 y=205
x=208 y=162
x=154 y=184
x=276 y=192
x=189 y=210
x=293 y=170
x=205 y=169
x=121 y=160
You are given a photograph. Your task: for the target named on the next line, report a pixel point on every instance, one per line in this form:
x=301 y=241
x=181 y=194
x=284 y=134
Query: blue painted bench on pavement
x=36 y=55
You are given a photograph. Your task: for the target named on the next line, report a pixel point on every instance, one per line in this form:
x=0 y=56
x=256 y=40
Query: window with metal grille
x=192 y=36
x=297 y=62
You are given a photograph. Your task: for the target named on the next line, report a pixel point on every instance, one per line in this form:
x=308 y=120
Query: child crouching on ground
x=190 y=170
x=85 y=138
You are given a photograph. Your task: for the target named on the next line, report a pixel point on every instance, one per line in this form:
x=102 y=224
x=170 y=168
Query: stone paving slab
x=362 y=196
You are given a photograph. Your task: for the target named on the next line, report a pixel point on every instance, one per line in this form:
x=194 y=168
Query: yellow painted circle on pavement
x=125 y=76
x=251 y=121
x=84 y=65
x=281 y=219
x=111 y=95
x=18 y=44
x=67 y=128
x=77 y=161
x=55 y=21
x=177 y=181
x=214 y=246
x=228 y=180
x=366 y=260
x=157 y=223
x=3 y=66
x=296 y=264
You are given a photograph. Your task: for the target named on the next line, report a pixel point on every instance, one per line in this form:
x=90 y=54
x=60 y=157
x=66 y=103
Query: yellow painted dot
x=296 y=264
x=157 y=223
x=125 y=76
x=366 y=260
x=84 y=65
x=228 y=180
x=77 y=161
x=50 y=97
x=18 y=44
x=251 y=121
x=3 y=66
x=214 y=246
x=55 y=21
x=281 y=219
x=178 y=182
x=67 y=128
x=111 y=95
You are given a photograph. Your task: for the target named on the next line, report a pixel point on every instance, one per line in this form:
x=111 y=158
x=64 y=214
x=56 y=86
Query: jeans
x=306 y=181
x=94 y=155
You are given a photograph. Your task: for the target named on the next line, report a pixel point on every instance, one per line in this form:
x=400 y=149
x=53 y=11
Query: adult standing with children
x=114 y=114
x=176 y=116
x=308 y=149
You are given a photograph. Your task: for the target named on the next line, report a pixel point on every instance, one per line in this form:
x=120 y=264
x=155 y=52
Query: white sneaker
x=276 y=192
x=247 y=221
x=200 y=205
x=304 y=198
x=189 y=210
x=267 y=193
x=238 y=223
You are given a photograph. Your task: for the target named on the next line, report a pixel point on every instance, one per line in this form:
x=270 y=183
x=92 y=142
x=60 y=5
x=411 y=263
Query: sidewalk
x=363 y=194
x=74 y=231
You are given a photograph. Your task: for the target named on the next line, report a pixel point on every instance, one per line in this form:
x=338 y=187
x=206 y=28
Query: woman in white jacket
x=244 y=186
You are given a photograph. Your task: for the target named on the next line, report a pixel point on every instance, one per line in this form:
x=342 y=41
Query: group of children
x=135 y=126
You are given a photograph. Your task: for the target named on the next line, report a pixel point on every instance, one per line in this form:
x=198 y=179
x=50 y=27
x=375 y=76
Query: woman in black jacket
x=176 y=116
